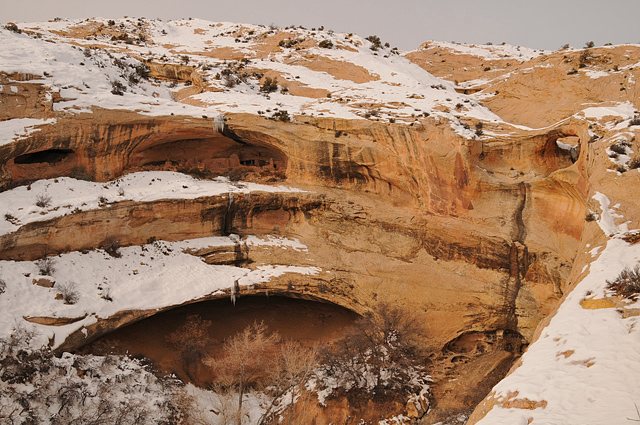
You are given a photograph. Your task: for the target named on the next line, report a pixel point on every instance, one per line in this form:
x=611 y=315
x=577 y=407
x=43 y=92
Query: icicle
x=218 y=124
x=235 y=291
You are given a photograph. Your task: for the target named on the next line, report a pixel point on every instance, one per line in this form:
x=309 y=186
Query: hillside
x=485 y=191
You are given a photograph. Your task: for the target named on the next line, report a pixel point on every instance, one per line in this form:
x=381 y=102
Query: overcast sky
x=540 y=24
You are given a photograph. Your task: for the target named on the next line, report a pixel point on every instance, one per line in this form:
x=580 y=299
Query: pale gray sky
x=541 y=24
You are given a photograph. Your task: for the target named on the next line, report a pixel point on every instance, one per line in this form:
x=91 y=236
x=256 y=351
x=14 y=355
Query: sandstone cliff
x=410 y=189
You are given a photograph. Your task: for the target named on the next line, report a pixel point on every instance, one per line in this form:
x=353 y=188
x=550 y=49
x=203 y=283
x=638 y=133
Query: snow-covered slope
x=583 y=368
x=487 y=51
x=354 y=78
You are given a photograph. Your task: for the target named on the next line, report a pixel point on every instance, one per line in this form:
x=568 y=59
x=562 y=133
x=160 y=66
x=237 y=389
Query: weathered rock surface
x=480 y=236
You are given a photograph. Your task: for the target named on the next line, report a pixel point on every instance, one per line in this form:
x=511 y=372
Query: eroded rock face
x=478 y=235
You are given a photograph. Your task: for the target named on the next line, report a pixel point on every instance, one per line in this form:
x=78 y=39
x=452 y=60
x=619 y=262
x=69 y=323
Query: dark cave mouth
x=49 y=156
x=300 y=320
x=218 y=155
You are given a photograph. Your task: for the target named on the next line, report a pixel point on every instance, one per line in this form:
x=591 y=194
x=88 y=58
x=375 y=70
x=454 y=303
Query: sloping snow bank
x=584 y=367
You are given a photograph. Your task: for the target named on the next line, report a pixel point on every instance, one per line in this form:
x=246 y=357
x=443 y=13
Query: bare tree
x=292 y=367
x=245 y=360
x=192 y=339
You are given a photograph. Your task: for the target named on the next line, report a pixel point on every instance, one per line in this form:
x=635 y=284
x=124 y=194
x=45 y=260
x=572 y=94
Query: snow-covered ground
x=584 y=367
x=399 y=89
x=488 y=51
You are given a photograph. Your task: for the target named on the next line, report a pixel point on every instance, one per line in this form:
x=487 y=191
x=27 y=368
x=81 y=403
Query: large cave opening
x=49 y=156
x=304 y=321
x=42 y=164
x=212 y=156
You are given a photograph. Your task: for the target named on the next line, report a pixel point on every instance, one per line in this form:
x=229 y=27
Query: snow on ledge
x=15 y=129
x=150 y=276
x=67 y=195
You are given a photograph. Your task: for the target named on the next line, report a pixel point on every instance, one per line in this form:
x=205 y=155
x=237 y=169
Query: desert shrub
x=282 y=115
x=589 y=45
x=635 y=120
x=118 y=88
x=13 y=28
x=619 y=148
x=106 y=294
x=326 y=44
x=228 y=77
x=590 y=216
x=371 y=113
x=627 y=283
x=375 y=42
x=38 y=388
x=585 y=58
x=111 y=22
x=634 y=163
x=269 y=85
x=46 y=266
x=69 y=292
x=3 y=286
x=111 y=246
x=143 y=71
x=80 y=173
x=43 y=200
x=380 y=355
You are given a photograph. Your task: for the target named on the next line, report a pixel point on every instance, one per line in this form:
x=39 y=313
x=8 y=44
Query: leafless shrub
x=627 y=283
x=69 y=292
x=43 y=200
x=111 y=246
x=3 y=286
x=46 y=266
x=380 y=355
x=118 y=88
x=590 y=216
x=619 y=148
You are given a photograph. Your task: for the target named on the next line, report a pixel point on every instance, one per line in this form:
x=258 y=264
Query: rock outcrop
x=479 y=233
